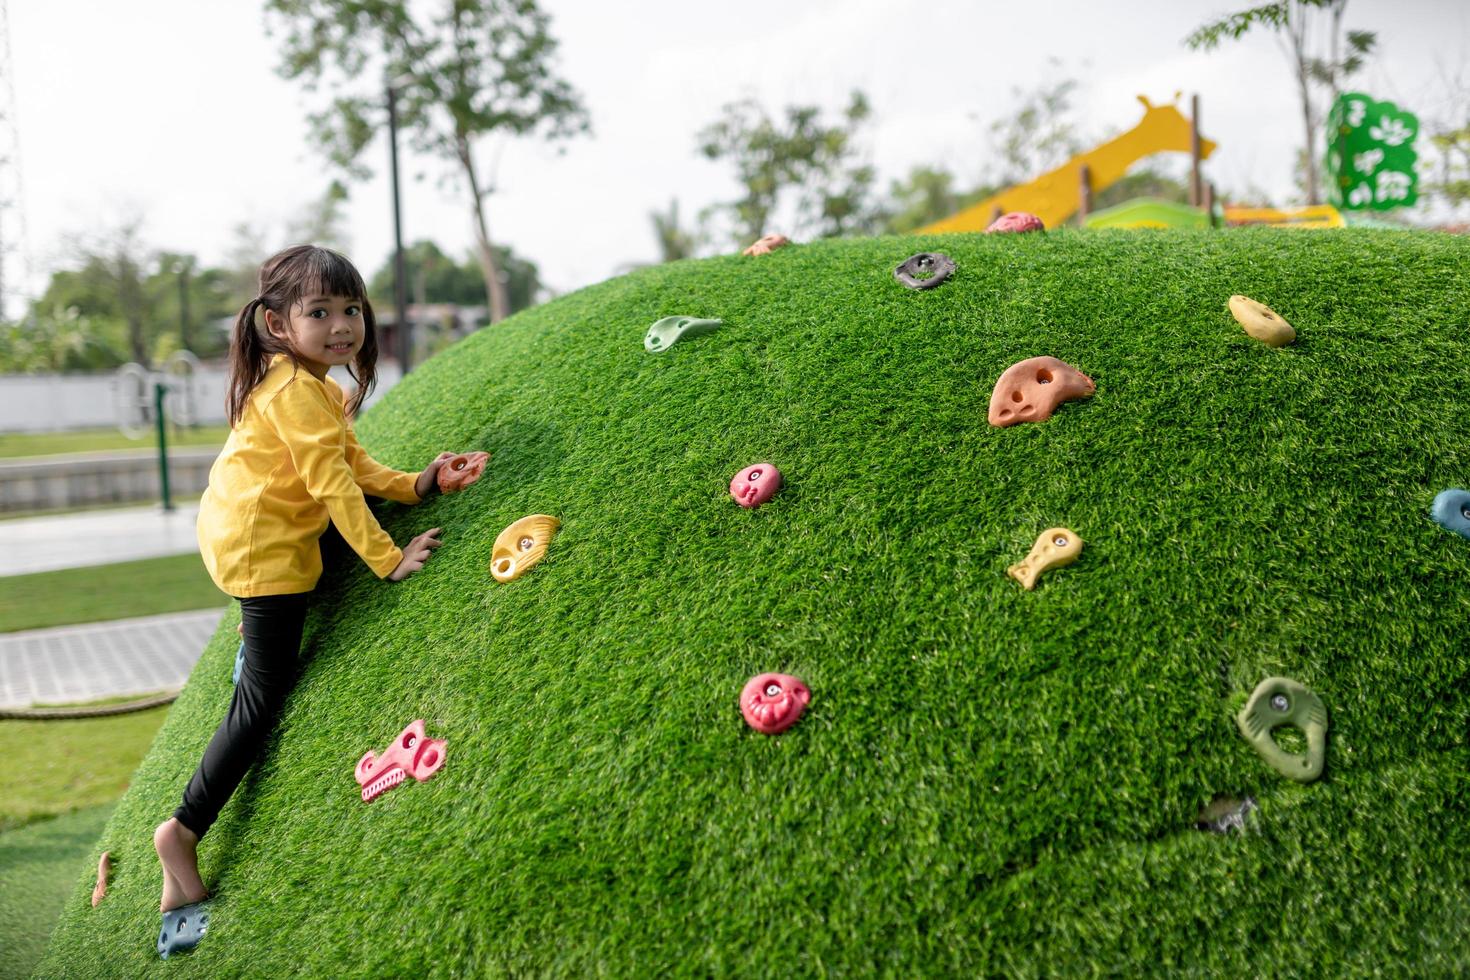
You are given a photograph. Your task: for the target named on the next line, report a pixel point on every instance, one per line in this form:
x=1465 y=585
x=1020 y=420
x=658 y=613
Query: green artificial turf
x=37 y=868
x=123 y=590
x=988 y=780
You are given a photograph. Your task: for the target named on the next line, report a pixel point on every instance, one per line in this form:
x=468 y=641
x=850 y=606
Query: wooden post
x=1210 y=203
x=995 y=213
x=1085 y=193
x=1196 y=192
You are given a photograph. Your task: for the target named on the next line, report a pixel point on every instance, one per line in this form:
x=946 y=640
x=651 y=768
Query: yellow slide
x=1057 y=194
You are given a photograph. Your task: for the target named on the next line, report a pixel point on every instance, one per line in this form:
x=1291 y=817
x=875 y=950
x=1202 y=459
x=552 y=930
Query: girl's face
x=323 y=330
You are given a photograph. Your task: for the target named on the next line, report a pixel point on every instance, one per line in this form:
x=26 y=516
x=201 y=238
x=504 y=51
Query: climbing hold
x=411 y=754
x=771 y=703
x=1055 y=548
x=239 y=663
x=461 y=471
x=183 y=927
x=1224 y=813
x=766 y=244
x=519 y=547
x=755 y=484
x=924 y=270
x=104 y=868
x=1451 y=510
x=672 y=329
x=1030 y=390
x=1279 y=701
x=1261 y=322
x=1016 y=221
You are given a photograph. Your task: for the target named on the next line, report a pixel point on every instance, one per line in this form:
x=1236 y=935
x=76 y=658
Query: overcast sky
x=172 y=109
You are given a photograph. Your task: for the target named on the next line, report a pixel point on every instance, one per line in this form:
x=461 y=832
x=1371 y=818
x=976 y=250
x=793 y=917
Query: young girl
x=291 y=471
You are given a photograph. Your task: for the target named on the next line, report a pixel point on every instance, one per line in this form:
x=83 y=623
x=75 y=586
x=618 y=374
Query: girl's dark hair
x=287 y=278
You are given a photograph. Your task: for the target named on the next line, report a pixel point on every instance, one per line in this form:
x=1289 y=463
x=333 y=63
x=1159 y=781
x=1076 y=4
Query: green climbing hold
x=1279 y=701
x=672 y=329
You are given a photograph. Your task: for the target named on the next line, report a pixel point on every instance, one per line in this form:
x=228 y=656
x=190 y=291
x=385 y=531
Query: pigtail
x=249 y=360
x=364 y=369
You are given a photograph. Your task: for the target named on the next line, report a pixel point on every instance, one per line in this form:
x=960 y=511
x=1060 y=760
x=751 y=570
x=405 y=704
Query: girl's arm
x=379 y=480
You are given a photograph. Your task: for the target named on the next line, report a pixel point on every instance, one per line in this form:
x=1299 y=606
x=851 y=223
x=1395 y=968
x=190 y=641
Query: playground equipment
x=141 y=396
x=772 y=703
x=1058 y=194
x=925 y=270
x=755 y=484
x=1316 y=216
x=519 y=547
x=1031 y=390
x=1056 y=547
x=1261 y=322
x=1149 y=212
x=1279 y=701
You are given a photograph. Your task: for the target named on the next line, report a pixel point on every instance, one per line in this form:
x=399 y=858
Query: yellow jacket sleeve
x=303 y=416
x=375 y=478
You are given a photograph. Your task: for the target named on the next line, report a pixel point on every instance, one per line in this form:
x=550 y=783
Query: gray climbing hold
x=924 y=270
x=183 y=927
x=1224 y=814
x=1451 y=511
x=672 y=329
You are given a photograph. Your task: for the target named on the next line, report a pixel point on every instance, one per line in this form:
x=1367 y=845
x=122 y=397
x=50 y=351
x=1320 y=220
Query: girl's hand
x=428 y=481
x=415 y=553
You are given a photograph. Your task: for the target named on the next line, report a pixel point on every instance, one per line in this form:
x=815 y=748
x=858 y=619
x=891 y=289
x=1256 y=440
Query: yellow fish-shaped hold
x=1056 y=547
x=1261 y=322
x=519 y=547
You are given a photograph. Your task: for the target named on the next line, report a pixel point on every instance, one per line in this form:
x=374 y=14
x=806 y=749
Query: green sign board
x=1370 y=154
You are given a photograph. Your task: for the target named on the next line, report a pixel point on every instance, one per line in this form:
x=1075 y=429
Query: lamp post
x=400 y=282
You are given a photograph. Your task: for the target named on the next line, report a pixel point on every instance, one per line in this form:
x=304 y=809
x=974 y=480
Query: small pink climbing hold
x=1016 y=221
x=461 y=471
x=771 y=703
x=1030 y=390
x=410 y=754
x=766 y=244
x=755 y=484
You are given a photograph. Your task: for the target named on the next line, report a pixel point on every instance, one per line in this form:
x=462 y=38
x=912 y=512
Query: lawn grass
x=123 y=590
x=58 y=766
x=17 y=444
x=988 y=780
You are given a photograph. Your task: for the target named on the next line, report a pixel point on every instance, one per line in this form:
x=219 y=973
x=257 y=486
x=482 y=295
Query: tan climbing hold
x=1261 y=322
x=1030 y=390
x=104 y=868
x=1055 y=548
x=766 y=244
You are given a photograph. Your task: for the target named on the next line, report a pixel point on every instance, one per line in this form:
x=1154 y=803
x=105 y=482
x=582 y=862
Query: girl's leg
x=273 y=627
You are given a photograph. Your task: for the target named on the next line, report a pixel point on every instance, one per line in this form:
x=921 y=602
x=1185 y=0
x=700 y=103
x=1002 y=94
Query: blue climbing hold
x=1451 y=511
x=183 y=927
x=239 y=663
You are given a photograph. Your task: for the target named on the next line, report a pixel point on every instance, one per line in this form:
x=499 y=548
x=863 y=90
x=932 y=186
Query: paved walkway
x=96 y=660
x=101 y=537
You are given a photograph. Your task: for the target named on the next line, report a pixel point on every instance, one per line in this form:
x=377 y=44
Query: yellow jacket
x=291 y=464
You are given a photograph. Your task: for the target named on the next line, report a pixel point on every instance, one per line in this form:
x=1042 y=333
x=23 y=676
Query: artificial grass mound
x=987 y=779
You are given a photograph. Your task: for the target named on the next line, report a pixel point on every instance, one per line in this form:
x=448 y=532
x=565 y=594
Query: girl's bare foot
x=175 y=845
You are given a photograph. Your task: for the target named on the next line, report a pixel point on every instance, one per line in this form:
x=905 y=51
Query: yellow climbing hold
x=1261 y=322
x=1056 y=547
x=519 y=547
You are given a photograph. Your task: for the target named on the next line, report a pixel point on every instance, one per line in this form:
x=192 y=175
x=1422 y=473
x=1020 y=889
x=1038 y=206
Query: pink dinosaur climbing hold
x=1016 y=221
x=461 y=471
x=771 y=703
x=755 y=484
x=1030 y=390
x=766 y=244
x=410 y=754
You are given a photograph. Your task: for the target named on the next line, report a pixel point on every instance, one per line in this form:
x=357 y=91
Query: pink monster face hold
x=1030 y=390
x=1016 y=221
x=771 y=703
x=410 y=754
x=755 y=484
x=461 y=471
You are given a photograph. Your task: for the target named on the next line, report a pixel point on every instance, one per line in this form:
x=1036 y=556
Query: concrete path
x=96 y=660
x=45 y=544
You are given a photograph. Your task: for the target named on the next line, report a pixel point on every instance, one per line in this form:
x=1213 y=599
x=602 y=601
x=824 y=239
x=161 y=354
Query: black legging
x=273 y=628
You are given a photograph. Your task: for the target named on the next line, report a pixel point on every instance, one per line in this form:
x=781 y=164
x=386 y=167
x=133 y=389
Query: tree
x=674 y=241
x=434 y=277
x=475 y=68
x=1292 y=21
x=927 y=195
x=799 y=159
x=1040 y=134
